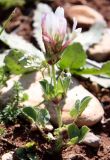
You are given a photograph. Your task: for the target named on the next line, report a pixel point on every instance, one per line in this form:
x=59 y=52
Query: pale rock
x=30 y=82
x=8 y=156
x=85 y=15
x=31 y=86
x=101 y=51
x=91 y=140
x=91 y=115
x=48 y=127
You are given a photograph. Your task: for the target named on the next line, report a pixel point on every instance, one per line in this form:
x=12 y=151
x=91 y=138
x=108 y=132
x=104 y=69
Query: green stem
x=40 y=103
x=7 y=21
x=53 y=75
x=59 y=116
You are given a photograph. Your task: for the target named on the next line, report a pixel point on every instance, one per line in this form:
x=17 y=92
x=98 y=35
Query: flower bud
x=54 y=34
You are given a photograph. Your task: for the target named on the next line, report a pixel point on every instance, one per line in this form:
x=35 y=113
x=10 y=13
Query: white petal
x=74 y=24
x=78 y=30
x=59 y=12
x=62 y=25
x=49 y=23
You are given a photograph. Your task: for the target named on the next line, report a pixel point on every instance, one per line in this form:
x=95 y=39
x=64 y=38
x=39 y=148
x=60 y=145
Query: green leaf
x=59 y=88
x=83 y=131
x=39 y=116
x=47 y=88
x=3 y=77
x=73 y=57
x=79 y=107
x=10 y=3
x=44 y=116
x=73 y=131
x=74 y=112
x=73 y=141
x=105 y=69
x=25 y=97
x=66 y=83
x=2 y=131
x=84 y=104
x=30 y=112
x=58 y=144
x=44 y=84
x=30 y=144
x=17 y=62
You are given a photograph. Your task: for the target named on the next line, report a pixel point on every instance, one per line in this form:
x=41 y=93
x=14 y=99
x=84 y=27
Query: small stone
x=48 y=127
x=31 y=86
x=85 y=15
x=91 y=140
x=93 y=112
x=101 y=51
x=8 y=156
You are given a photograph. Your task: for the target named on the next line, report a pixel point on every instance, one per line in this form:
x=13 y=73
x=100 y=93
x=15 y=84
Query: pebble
x=91 y=140
x=8 y=156
x=91 y=115
x=85 y=15
x=101 y=51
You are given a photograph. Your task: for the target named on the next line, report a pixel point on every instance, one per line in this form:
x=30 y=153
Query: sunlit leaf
x=73 y=131
x=18 y=62
x=84 y=104
x=30 y=112
x=74 y=112
x=83 y=131
x=73 y=57
x=105 y=69
x=44 y=116
x=39 y=116
x=73 y=141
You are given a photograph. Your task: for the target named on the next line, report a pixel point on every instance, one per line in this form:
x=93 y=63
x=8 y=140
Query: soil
x=19 y=134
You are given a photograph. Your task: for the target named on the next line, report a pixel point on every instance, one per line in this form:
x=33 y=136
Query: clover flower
x=55 y=36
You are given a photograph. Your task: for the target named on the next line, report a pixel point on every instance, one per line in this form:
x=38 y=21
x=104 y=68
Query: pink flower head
x=54 y=34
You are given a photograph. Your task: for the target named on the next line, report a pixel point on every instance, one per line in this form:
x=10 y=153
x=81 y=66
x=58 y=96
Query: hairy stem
x=54 y=75
x=59 y=118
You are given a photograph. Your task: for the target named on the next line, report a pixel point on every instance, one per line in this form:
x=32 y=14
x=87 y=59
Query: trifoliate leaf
x=18 y=62
x=79 y=107
x=39 y=116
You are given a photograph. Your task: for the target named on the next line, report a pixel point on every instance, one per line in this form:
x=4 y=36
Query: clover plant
x=60 y=55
